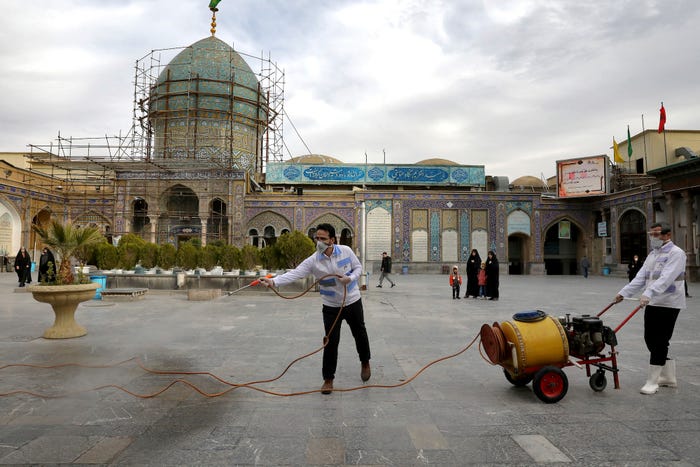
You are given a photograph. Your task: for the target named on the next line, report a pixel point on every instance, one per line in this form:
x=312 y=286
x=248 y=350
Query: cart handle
x=628 y=318
x=605 y=309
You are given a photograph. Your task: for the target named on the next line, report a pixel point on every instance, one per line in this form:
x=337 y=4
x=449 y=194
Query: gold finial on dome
x=212 y=7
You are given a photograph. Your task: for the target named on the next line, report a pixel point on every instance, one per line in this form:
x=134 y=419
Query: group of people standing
x=23 y=266
x=482 y=277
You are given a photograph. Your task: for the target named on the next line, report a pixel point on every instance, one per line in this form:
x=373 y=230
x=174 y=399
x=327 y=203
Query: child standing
x=455 y=282
x=481 y=278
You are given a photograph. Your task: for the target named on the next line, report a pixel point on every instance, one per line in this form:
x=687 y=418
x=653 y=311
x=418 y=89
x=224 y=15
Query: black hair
x=328 y=228
x=665 y=228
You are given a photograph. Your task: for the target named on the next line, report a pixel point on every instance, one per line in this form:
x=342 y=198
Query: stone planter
x=64 y=300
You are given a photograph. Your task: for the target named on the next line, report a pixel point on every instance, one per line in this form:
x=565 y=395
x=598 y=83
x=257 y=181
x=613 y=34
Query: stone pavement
x=461 y=411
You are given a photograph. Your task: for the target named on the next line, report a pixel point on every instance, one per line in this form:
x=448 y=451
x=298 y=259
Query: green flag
x=213 y=3
x=629 y=143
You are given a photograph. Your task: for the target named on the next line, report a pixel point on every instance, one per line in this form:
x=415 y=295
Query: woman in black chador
x=492 y=276
x=47 y=266
x=23 y=267
x=473 y=266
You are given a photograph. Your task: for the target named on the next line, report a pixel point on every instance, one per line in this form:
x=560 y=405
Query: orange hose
x=249 y=385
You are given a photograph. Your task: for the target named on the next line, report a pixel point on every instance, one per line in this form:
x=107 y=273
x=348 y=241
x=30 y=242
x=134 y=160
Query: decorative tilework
x=464 y=234
x=349 y=174
x=435 y=236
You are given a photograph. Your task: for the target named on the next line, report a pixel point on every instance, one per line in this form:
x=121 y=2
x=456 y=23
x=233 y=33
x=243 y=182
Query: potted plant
x=64 y=295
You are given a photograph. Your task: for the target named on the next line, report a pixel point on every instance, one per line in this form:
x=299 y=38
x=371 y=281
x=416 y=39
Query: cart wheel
x=597 y=381
x=517 y=381
x=550 y=384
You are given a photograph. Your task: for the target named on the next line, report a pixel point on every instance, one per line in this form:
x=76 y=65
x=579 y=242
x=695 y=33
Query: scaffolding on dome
x=93 y=160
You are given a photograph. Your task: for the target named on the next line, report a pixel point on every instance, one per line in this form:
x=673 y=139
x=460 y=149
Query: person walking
x=385 y=269
x=585 y=265
x=455 y=282
x=473 y=267
x=660 y=279
x=492 y=276
x=483 y=280
x=339 y=295
x=23 y=267
x=634 y=267
x=47 y=266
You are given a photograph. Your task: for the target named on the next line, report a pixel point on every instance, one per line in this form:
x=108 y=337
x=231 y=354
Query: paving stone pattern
x=461 y=411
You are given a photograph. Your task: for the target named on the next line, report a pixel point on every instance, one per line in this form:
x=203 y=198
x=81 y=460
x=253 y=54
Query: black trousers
x=659 y=322
x=354 y=315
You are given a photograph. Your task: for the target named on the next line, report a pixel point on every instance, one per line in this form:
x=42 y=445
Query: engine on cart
x=587 y=335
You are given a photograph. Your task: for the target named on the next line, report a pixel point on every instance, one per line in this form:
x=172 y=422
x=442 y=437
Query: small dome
x=314 y=159
x=436 y=161
x=527 y=181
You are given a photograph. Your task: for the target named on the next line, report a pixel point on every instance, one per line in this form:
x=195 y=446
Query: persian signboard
x=376 y=174
x=585 y=176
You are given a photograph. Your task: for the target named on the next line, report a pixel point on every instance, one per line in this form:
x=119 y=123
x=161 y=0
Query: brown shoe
x=327 y=387
x=366 y=372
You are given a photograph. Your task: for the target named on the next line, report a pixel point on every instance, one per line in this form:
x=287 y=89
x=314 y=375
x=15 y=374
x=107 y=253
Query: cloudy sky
x=514 y=85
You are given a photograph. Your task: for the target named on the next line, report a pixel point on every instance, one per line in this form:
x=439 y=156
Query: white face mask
x=321 y=246
x=655 y=243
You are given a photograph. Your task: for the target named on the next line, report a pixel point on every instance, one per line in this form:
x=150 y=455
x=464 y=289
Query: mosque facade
x=206 y=172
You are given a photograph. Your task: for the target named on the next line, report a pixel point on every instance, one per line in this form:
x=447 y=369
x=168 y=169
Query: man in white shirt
x=330 y=261
x=661 y=280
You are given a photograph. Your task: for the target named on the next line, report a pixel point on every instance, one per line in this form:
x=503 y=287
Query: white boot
x=668 y=375
x=652 y=384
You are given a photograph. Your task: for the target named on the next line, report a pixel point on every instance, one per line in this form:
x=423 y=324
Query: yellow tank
x=535 y=344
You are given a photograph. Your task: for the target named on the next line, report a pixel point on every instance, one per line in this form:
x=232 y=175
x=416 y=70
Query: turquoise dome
x=207 y=104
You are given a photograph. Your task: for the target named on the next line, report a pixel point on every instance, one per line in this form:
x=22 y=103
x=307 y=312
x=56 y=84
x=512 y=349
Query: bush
x=106 y=256
x=230 y=257
x=294 y=248
x=149 y=255
x=188 y=255
x=250 y=257
x=129 y=249
x=209 y=257
x=167 y=256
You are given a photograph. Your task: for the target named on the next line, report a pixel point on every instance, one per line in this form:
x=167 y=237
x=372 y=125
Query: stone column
x=671 y=218
x=204 y=221
x=690 y=235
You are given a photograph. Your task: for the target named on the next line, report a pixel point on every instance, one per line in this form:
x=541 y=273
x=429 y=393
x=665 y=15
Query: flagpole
x=629 y=151
x=646 y=165
x=665 y=150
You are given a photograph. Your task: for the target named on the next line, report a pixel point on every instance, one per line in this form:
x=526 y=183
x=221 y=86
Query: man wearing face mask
x=331 y=260
x=661 y=280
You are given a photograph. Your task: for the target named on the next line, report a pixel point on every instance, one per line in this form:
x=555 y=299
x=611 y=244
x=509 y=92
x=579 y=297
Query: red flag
x=662 y=118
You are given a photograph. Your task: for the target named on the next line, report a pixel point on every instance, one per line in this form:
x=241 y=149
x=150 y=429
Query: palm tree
x=67 y=242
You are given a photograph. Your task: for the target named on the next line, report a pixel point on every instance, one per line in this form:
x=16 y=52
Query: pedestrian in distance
x=585 y=266
x=473 y=266
x=483 y=280
x=47 y=266
x=455 y=282
x=385 y=270
x=634 y=267
x=23 y=267
x=660 y=280
x=339 y=295
x=492 y=284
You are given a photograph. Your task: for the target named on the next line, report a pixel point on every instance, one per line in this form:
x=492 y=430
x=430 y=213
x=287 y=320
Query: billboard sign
x=585 y=176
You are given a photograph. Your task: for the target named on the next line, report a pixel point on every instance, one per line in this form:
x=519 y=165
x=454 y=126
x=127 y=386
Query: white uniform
x=662 y=277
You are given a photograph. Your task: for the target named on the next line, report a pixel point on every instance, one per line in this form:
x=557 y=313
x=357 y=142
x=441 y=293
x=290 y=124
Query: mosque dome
x=207 y=104
x=527 y=182
x=436 y=161
x=314 y=159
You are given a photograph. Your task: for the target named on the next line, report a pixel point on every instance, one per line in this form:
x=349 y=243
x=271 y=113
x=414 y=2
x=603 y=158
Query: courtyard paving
x=460 y=411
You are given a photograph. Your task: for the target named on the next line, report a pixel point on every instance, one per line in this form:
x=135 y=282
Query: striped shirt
x=341 y=262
